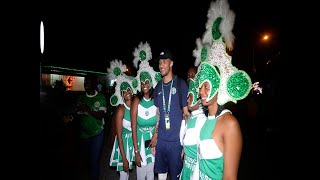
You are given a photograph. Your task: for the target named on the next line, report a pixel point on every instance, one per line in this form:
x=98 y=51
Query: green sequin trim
x=144 y=76
x=113 y=100
x=196 y=81
x=158 y=76
x=193 y=90
x=216 y=34
x=209 y=74
x=117 y=71
x=204 y=54
x=135 y=83
x=125 y=86
x=142 y=55
x=238 y=85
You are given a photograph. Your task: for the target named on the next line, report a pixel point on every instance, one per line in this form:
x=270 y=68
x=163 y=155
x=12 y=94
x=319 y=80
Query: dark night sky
x=89 y=35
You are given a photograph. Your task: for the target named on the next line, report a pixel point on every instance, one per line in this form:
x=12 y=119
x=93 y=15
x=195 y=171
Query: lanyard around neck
x=166 y=110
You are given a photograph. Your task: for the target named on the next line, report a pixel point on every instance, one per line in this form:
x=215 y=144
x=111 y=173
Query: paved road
x=64 y=162
x=108 y=172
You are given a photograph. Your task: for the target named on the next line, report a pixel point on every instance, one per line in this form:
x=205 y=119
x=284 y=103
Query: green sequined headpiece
x=230 y=83
x=208 y=73
x=145 y=72
x=123 y=82
x=193 y=89
x=201 y=55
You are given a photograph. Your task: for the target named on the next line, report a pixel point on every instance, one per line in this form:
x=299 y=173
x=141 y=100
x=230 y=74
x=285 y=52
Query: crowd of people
x=164 y=125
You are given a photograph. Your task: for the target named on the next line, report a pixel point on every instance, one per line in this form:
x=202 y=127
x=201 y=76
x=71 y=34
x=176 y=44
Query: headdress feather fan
x=201 y=52
x=230 y=83
x=145 y=72
x=123 y=82
x=142 y=53
x=219 y=12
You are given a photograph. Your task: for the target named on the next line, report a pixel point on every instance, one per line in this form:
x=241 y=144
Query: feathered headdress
x=193 y=89
x=201 y=52
x=145 y=72
x=230 y=83
x=201 y=55
x=123 y=82
x=219 y=24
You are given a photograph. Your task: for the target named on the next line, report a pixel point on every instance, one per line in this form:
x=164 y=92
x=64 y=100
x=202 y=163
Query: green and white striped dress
x=146 y=122
x=211 y=159
x=189 y=142
x=116 y=158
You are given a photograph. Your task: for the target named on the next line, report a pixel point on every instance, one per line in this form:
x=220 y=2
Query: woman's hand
x=182 y=154
x=153 y=151
x=125 y=165
x=154 y=139
x=138 y=159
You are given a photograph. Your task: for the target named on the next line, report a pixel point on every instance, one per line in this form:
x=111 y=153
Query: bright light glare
x=41 y=37
x=266 y=37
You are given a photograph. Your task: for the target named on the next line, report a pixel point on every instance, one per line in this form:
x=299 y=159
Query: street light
x=262 y=38
x=41 y=48
x=265 y=37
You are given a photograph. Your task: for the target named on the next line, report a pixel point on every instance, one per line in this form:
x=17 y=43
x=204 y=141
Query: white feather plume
x=220 y=8
x=116 y=71
x=116 y=64
x=197 y=52
x=141 y=47
x=144 y=64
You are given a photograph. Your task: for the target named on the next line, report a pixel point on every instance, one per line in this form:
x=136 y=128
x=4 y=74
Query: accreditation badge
x=167 y=120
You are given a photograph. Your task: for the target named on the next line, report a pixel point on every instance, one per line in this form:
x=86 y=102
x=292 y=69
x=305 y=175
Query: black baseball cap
x=165 y=54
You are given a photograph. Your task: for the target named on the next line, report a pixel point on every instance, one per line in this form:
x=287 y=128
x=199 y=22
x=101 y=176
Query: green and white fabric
x=189 y=142
x=90 y=125
x=210 y=158
x=116 y=158
x=216 y=67
x=146 y=122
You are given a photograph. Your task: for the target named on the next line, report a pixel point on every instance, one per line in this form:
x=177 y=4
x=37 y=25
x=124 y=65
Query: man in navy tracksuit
x=170 y=114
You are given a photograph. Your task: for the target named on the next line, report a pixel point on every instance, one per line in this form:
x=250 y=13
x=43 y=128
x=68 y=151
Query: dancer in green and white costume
x=144 y=112
x=192 y=131
x=146 y=122
x=210 y=154
x=122 y=152
x=220 y=145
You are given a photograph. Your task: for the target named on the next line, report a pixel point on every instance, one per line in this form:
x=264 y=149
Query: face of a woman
x=127 y=95
x=204 y=92
x=145 y=87
x=189 y=101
